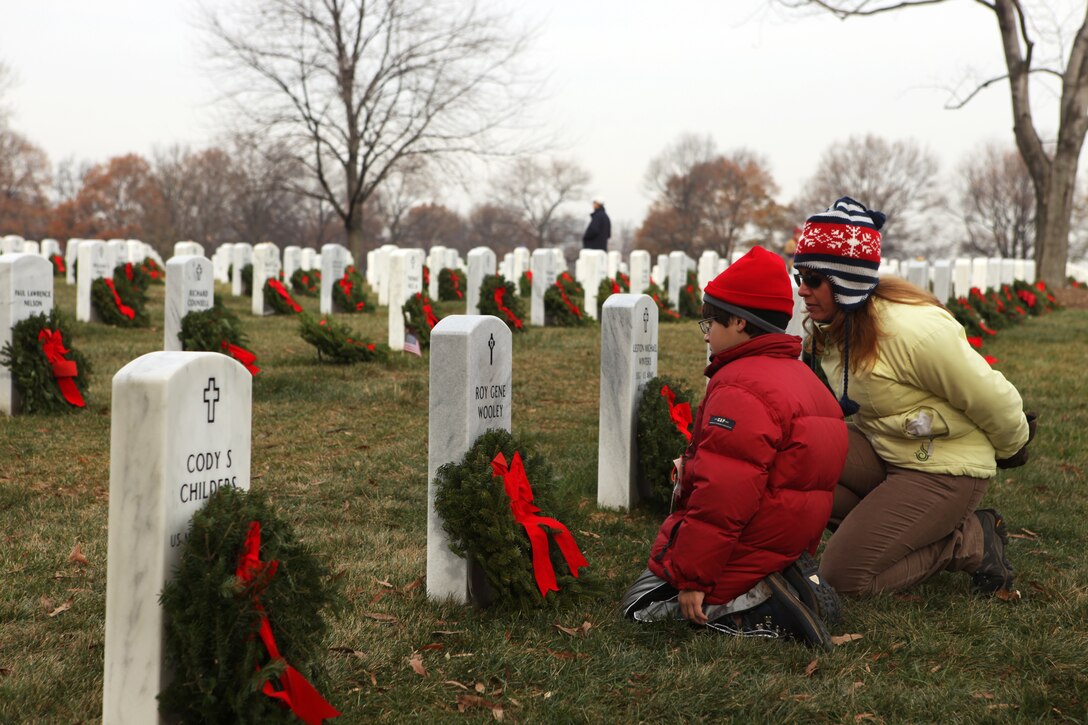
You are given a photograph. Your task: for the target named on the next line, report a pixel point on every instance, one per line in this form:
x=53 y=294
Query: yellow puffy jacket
x=931 y=402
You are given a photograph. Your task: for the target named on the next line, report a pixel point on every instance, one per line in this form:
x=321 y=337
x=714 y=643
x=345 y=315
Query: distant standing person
x=600 y=228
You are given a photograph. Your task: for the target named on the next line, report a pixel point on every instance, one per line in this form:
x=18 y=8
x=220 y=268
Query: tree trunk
x=353 y=227
x=1054 y=209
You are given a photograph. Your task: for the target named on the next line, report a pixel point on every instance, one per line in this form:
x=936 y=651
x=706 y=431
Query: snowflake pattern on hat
x=841 y=240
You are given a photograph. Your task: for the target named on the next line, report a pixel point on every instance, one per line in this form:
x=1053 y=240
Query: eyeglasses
x=809 y=279
x=704 y=325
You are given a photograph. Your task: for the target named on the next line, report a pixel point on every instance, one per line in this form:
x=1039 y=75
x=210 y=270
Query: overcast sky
x=98 y=78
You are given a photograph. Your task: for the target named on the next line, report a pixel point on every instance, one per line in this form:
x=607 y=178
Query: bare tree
x=24 y=184
x=7 y=80
x=408 y=185
x=677 y=160
x=898 y=178
x=1053 y=170
x=997 y=203
x=358 y=87
x=499 y=226
x=538 y=188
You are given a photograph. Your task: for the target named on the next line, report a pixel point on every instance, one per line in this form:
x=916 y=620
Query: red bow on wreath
x=679 y=414
x=63 y=370
x=277 y=287
x=526 y=514
x=570 y=306
x=500 y=293
x=243 y=356
x=121 y=306
x=296 y=693
x=59 y=261
x=432 y=320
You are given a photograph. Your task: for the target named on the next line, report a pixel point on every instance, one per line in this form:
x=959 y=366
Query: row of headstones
x=181 y=428
x=14 y=244
x=234 y=256
x=948 y=277
x=121 y=251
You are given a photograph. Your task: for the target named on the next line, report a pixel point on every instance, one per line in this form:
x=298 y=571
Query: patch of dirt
x=1073 y=298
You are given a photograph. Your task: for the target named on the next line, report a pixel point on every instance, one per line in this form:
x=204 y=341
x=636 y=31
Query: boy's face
x=722 y=337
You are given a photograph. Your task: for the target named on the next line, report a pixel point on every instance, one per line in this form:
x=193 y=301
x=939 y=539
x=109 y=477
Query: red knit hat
x=756 y=282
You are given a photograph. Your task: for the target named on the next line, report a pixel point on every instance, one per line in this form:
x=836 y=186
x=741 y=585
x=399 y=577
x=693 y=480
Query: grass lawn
x=341 y=451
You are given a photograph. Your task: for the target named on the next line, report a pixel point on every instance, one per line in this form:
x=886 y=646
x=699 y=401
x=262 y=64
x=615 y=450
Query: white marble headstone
x=12 y=244
x=436 y=262
x=917 y=273
x=470 y=392
x=980 y=269
x=678 y=276
x=615 y=263
x=266 y=266
x=640 y=271
x=481 y=263
x=71 y=254
x=96 y=261
x=190 y=287
x=941 y=278
x=594 y=267
x=240 y=255
x=961 y=276
x=544 y=272
x=334 y=260
x=381 y=272
x=1008 y=270
x=26 y=289
x=708 y=268
x=32 y=247
x=405 y=281
x=309 y=259
x=221 y=262
x=522 y=258
x=628 y=361
x=292 y=260
x=49 y=248
x=180 y=429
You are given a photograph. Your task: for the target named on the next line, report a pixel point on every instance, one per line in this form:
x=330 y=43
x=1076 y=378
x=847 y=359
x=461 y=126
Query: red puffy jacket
x=768 y=446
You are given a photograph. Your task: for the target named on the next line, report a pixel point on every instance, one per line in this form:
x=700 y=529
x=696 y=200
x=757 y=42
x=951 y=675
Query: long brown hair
x=865 y=331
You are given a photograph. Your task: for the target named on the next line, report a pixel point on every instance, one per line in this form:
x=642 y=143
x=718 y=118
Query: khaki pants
x=897 y=526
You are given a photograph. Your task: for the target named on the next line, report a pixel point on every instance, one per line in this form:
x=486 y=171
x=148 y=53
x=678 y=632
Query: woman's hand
x=691 y=606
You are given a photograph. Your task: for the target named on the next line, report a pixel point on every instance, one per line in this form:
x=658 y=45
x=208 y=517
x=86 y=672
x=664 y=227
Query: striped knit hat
x=843 y=244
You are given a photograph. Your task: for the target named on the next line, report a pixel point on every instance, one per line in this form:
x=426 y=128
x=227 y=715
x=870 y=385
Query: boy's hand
x=691 y=606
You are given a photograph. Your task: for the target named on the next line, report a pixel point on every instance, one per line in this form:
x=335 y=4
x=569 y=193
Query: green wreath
x=449 y=285
x=211 y=616
x=306 y=282
x=966 y=314
x=106 y=304
x=416 y=320
x=525 y=284
x=153 y=270
x=475 y=512
x=31 y=370
x=280 y=304
x=513 y=314
x=336 y=343
x=691 y=299
x=665 y=312
x=349 y=293
x=564 y=302
x=659 y=441
x=247 y=280
x=207 y=330
x=135 y=275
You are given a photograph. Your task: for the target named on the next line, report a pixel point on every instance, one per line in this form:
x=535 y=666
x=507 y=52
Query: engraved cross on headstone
x=646 y=320
x=198 y=271
x=491 y=347
x=211 y=401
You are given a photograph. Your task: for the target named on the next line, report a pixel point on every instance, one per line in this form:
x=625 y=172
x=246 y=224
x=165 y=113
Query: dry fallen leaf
x=346 y=651
x=838 y=639
x=590 y=534
x=480 y=688
x=446 y=631
x=77 y=557
x=934 y=668
x=379 y=616
x=431 y=646
x=582 y=630
x=1007 y=595
x=4 y=671
x=61 y=608
x=811 y=667
x=382 y=582
x=416 y=663
x=414 y=584
x=984 y=695
x=455 y=683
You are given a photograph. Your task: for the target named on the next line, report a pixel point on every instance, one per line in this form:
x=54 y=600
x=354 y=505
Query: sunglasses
x=809 y=279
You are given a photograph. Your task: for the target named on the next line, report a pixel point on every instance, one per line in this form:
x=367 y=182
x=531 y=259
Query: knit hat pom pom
x=878 y=218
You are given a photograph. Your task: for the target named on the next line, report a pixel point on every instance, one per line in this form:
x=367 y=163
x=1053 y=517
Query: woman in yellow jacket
x=932 y=421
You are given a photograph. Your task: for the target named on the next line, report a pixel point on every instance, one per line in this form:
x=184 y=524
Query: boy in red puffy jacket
x=756 y=481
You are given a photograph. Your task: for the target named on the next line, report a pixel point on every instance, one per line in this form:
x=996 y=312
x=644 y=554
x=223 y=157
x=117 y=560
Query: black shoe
x=995 y=571
x=783 y=616
x=812 y=589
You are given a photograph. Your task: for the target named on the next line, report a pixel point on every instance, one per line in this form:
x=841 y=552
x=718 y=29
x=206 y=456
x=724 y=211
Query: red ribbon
x=128 y=270
x=243 y=356
x=615 y=288
x=456 y=284
x=975 y=342
x=577 y=312
x=525 y=513
x=432 y=319
x=297 y=693
x=63 y=370
x=59 y=261
x=121 y=306
x=1027 y=297
x=278 y=288
x=680 y=415
x=500 y=293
